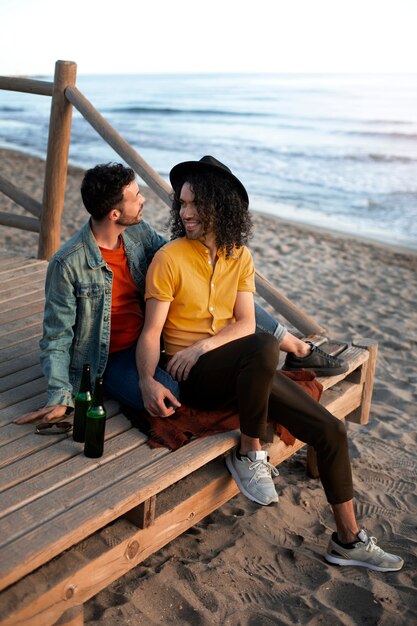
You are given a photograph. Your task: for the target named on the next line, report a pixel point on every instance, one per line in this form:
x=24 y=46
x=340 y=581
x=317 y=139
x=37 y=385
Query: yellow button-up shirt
x=202 y=298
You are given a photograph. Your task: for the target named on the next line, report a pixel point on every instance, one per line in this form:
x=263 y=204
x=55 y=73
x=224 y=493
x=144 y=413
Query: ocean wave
x=9 y=109
x=177 y=111
x=275 y=152
x=380 y=135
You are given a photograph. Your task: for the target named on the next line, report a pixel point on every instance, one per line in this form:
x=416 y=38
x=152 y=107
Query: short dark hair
x=220 y=207
x=102 y=187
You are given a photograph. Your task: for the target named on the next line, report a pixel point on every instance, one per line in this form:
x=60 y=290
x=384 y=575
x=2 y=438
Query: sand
x=249 y=565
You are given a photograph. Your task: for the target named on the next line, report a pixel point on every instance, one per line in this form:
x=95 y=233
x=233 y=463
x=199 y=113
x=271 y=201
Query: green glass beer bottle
x=95 y=424
x=81 y=405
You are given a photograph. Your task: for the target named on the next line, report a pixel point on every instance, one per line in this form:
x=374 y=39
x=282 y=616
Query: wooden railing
x=48 y=214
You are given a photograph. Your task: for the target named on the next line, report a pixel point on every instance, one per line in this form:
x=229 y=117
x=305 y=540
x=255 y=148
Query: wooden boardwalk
x=71 y=525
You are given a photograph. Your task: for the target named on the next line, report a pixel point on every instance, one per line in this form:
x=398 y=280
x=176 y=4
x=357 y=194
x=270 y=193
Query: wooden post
x=361 y=414
x=143 y=515
x=56 y=160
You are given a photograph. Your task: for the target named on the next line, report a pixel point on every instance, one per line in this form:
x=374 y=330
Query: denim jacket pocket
x=90 y=309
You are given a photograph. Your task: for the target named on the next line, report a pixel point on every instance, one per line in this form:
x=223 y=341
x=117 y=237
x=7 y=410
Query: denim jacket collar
x=92 y=251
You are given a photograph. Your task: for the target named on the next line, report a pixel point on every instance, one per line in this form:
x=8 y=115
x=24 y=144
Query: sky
x=177 y=36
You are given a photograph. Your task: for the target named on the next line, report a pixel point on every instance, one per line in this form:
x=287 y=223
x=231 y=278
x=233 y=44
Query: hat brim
x=179 y=173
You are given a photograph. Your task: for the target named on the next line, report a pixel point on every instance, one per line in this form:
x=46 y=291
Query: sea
x=334 y=151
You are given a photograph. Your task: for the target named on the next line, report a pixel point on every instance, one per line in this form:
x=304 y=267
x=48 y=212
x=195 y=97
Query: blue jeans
x=121 y=378
x=265 y=323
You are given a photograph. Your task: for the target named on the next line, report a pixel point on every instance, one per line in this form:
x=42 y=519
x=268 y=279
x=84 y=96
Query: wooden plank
x=342 y=399
x=25 y=468
x=31 y=404
x=21 y=377
x=33 y=287
x=12 y=263
x=10 y=433
x=121 y=550
x=68 y=471
x=21 y=348
x=31 y=310
x=25 y=333
x=45 y=542
x=22 y=392
x=24 y=276
x=28 y=358
x=92 y=477
x=31 y=443
x=36 y=277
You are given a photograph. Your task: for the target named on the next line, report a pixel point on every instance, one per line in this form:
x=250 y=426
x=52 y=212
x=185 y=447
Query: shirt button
x=212 y=284
x=211 y=308
x=209 y=262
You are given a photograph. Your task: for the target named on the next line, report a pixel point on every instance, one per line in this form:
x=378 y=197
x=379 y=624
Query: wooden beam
x=286 y=308
x=20 y=221
x=143 y=515
x=120 y=145
x=361 y=414
x=20 y=197
x=56 y=160
x=27 y=85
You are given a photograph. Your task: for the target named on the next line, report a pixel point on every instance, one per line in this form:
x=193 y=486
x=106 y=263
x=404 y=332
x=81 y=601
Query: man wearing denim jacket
x=83 y=322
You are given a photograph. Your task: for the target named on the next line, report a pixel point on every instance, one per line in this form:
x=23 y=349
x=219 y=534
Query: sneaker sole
x=236 y=478
x=331 y=371
x=334 y=560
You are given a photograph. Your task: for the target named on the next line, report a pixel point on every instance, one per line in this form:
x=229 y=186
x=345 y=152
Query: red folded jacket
x=188 y=423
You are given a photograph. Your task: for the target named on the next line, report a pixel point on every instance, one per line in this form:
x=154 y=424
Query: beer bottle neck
x=98 y=393
x=85 y=380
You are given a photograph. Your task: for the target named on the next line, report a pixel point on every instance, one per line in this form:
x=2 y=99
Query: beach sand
x=250 y=565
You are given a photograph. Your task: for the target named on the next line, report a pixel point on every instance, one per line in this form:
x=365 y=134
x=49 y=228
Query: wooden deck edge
x=342 y=399
x=41 y=599
x=38 y=598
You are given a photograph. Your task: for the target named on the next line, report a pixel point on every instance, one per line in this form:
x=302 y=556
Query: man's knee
x=266 y=348
x=335 y=433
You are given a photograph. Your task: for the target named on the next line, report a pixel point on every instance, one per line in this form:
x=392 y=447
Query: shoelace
x=263 y=469
x=371 y=546
x=324 y=354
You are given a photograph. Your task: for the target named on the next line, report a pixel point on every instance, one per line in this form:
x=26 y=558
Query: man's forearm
x=147 y=356
x=226 y=335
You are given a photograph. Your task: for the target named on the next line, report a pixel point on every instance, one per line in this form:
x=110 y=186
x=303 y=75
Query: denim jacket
x=76 y=326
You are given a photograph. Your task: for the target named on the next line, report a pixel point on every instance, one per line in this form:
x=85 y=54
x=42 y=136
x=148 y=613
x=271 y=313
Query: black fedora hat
x=206 y=164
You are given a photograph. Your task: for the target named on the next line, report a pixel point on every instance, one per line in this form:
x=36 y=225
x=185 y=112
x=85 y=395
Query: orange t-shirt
x=126 y=309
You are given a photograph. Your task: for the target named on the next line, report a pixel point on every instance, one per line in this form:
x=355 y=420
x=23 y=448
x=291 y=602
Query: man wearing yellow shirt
x=199 y=296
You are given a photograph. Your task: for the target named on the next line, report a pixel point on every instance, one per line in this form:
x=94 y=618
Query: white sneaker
x=252 y=474
x=365 y=553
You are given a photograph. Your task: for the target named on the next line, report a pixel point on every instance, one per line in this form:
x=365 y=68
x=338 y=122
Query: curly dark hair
x=102 y=187
x=220 y=208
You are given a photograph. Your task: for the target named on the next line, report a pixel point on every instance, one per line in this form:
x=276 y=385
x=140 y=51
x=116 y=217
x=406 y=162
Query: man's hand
x=180 y=364
x=158 y=400
x=46 y=414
